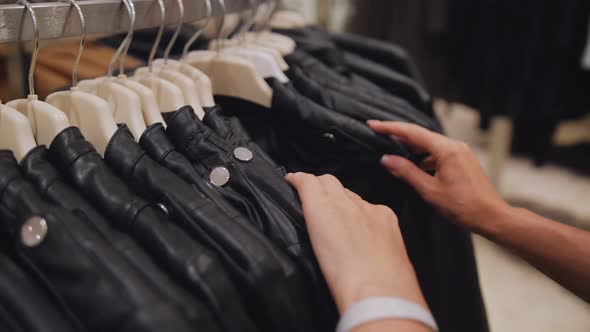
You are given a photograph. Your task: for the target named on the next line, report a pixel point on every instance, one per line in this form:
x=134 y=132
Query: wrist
x=496 y=219
x=402 y=285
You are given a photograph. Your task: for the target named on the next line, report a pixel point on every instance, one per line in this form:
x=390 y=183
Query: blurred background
x=510 y=78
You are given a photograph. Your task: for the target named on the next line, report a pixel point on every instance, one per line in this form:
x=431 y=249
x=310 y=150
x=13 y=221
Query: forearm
x=393 y=325
x=560 y=251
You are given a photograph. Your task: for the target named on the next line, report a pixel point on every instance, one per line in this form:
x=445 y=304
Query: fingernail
x=389 y=161
x=373 y=122
x=385 y=160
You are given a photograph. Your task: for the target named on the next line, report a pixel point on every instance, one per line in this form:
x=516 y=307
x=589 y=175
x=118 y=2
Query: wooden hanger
x=46 y=120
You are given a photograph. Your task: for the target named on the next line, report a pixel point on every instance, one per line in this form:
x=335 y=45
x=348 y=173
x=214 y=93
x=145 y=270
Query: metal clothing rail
x=59 y=20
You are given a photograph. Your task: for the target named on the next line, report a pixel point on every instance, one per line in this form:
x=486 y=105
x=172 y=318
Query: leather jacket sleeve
x=187 y=205
x=53 y=186
x=92 y=279
x=170 y=247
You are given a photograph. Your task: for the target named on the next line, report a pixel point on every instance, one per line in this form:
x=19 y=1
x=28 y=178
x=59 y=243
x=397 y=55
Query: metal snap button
x=329 y=137
x=163 y=208
x=33 y=231
x=243 y=154
x=219 y=176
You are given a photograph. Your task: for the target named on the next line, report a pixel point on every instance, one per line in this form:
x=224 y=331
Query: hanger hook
x=221 y=24
x=197 y=34
x=271 y=9
x=129 y=38
x=176 y=32
x=82 y=40
x=250 y=20
x=159 y=35
x=29 y=8
x=131 y=14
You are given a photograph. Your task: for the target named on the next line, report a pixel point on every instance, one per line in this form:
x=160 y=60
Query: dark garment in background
x=303 y=136
x=25 y=305
x=261 y=270
x=201 y=145
x=53 y=186
x=515 y=58
x=93 y=280
x=319 y=44
x=355 y=108
x=188 y=262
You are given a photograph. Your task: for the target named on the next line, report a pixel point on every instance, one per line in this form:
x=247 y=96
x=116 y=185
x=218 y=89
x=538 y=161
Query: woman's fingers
x=417 y=137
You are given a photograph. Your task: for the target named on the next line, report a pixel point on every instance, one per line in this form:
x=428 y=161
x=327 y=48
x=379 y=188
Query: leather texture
x=350 y=104
x=159 y=147
x=188 y=262
x=183 y=203
x=25 y=305
x=303 y=136
x=266 y=188
x=88 y=275
x=53 y=186
x=206 y=220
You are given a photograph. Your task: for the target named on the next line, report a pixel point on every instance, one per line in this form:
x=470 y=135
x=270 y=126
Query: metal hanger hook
x=131 y=14
x=273 y=4
x=197 y=34
x=176 y=32
x=221 y=24
x=82 y=40
x=29 y=8
x=159 y=35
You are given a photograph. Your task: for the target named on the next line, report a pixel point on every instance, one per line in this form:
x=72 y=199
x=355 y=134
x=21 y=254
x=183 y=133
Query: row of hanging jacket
x=157 y=201
x=521 y=59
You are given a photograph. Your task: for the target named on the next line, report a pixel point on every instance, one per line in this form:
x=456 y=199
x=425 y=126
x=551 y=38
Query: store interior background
x=517 y=296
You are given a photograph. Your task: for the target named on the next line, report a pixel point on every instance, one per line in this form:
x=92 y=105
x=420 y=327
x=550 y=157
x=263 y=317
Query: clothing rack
x=59 y=20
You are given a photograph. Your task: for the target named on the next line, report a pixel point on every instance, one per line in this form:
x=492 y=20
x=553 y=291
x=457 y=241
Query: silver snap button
x=34 y=231
x=329 y=137
x=219 y=176
x=163 y=208
x=243 y=154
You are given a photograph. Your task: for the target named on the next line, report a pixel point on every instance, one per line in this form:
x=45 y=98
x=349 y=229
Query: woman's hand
x=460 y=188
x=358 y=245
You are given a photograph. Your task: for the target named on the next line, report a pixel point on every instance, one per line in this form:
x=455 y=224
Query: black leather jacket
x=189 y=206
x=159 y=148
x=74 y=261
x=303 y=136
x=54 y=187
x=25 y=305
x=188 y=262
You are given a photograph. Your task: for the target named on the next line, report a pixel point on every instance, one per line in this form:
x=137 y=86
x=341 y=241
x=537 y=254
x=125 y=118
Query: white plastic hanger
x=16 y=133
x=285 y=19
x=124 y=103
x=249 y=41
x=241 y=77
x=186 y=84
x=149 y=105
x=46 y=120
x=88 y=112
x=204 y=85
x=168 y=96
x=264 y=36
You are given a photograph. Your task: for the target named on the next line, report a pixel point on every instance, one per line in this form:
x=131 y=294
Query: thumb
x=410 y=173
